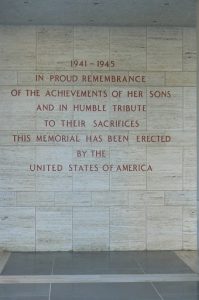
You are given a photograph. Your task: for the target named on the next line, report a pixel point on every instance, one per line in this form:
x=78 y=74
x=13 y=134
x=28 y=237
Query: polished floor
x=158 y=275
x=152 y=262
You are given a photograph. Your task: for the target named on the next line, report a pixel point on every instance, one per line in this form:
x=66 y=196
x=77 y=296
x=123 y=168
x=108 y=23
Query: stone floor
x=161 y=275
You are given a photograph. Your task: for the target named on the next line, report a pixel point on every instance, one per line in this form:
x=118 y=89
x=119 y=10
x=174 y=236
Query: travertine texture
x=53 y=228
x=139 y=190
x=91 y=228
x=127 y=228
x=164 y=229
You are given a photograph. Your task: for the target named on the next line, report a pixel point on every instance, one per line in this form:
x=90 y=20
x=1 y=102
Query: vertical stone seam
x=165 y=78
x=54 y=198
x=91 y=198
x=17 y=81
x=73 y=44
x=109 y=247
x=182 y=29
x=146 y=184
x=146 y=227
x=146 y=49
x=72 y=230
x=109 y=47
x=183 y=105
x=197 y=9
x=183 y=168
x=35 y=229
x=146 y=174
x=36 y=48
x=109 y=147
x=73 y=28
x=182 y=228
x=36 y=64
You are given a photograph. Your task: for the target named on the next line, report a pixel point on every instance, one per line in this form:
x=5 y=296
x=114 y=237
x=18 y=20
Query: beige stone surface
x=128 y=48
x=91 y=44
x=7 y=198
x=111 y=198
x=53 y=229
x=176 y=138
x=14 y=169
x=90 y=228
x=8 y=77
x=88 y=181
x=181 y=78
x=54 y=47
x=128 y=180
x=165 y=112
x=7 y=138
x=189 y=169
x=127 y=228
x=190 y=228
x=35 y=199
x=53 y=180
x=167 y=169
x=16 y=112
x=164 y=49
x=180 y=198
x=72 y=199
x=17 y=230
x=147 y=198
x=18 y=48
x=189 y=49
x=190 y=104
x=164 y=228
x=91 y=204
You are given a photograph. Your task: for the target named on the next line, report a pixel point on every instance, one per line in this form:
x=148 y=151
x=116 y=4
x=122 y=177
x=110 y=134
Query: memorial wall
x=97 y=138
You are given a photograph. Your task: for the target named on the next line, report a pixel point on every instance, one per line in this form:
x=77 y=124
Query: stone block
x=53 y=229
x=91 y=229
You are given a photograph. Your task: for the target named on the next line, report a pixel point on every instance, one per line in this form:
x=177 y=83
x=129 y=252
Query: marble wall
x=98 y=207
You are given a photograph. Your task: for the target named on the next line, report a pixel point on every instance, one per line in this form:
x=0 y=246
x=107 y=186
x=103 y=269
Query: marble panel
x=8 y=77
x=18 y=48
x=39 y=78
x=35 y=199
x=165 y=108
x=164 y=49
x=148 y=198
x=90 y=228
x=16 y=112
x=180 y=198
x=167 y=168
x=163 y=138
x=54 y=47
x=128 y=48
x=110 y=198
x=17 y=230
x=127 y=172
x=190 y=228
x=15 y=173
x=189 y=169
x=127 y=228
x=7 y=198
x=91 y=181
x=181 y=79
x=9 y=138
x=53 y=229
x=72 y=199
x=189 y=49
x=164 y=228
x=56 y=177
x=190 y=107
x=91 y=44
